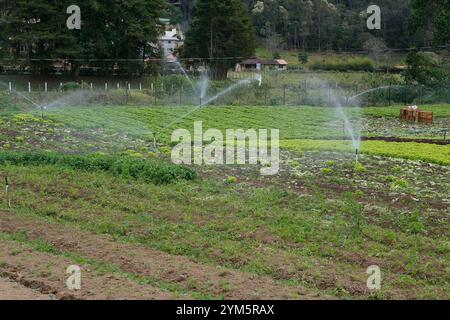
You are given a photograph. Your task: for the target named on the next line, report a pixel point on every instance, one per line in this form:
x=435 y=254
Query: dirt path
x=45 y=275
x=10 y=290
x=165 y=268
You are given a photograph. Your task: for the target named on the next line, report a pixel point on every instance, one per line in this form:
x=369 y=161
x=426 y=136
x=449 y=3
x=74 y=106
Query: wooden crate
x=409 y=114
x=426 y=117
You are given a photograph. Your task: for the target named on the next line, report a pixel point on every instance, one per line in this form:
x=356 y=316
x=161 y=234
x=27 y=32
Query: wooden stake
x=8 y=199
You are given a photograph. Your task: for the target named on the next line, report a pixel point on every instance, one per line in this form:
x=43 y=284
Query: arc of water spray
x=22 y=95
x=25 y=97
x=373 y=90
x=336 y=101
x=258 y=78
x=184 y=73
x=217 y=96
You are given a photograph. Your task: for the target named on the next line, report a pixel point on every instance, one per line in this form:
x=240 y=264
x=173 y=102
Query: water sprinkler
x=154 y=141
x=356 y=153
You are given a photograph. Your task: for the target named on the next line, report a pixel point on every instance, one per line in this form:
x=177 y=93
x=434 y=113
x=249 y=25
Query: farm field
x=87 y=187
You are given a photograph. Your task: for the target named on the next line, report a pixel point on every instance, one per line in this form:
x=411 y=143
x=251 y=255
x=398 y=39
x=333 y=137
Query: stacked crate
x=426 y=117
x=408 y=114
x=416 y=115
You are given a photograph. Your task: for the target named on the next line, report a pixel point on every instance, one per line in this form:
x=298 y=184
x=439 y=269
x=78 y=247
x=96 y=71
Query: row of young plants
x=147 y=170
x=438 y=154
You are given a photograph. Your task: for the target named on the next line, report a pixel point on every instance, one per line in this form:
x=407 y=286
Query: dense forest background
x=320 y=25
x=121 y=37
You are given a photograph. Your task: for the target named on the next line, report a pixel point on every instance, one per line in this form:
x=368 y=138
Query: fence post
x=15 y=95
x=420 y=94
x=329 y=96
x=265 y=95
x=404 y=97
x=180 y=94
x=10 y=87
x=8 y=198
x=126 y=93
x=306 y=92
x=29 y=87
x=284 y=95
x=389 y=94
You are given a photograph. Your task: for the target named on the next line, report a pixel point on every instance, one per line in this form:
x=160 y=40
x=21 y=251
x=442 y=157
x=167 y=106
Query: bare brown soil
x=43 y=276
x=25 y=265
x=10 y=290
x=392 y=139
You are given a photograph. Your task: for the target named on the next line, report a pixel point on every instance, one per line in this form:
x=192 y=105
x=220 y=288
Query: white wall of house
x=171 y=40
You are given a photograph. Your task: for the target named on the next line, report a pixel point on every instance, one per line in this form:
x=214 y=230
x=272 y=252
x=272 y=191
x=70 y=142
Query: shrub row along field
x=154 y=171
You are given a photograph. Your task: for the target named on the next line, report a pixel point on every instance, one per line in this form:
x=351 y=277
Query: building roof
x=171 y=35
x=282 y=62
x=264 y=62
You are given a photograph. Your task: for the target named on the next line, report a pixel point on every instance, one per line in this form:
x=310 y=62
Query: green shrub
x=426 y=68
x=327 y=171
x=152 y=171
x=303 y=57
x=68 y=86
x=351 y=64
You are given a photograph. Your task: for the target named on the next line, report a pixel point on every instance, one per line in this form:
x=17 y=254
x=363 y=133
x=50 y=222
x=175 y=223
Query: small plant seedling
x=165 y=150
x=360 y=168
x=231 y=180
x=359 y=194
x=330 y=163
x=399 y=184
x=327 y=171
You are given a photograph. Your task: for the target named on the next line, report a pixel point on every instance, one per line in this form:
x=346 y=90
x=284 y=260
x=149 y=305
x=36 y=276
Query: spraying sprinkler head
x=154 y=142
x=356 y=153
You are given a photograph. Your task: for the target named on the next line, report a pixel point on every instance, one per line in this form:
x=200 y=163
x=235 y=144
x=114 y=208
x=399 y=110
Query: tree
x=434 y=15
x=427 y=68
x=222 y=33
x=112 y=30
x=303 y=57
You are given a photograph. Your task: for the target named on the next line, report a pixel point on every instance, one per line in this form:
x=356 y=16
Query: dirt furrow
x=10 y=290
x=137 y=259
x=45 y=275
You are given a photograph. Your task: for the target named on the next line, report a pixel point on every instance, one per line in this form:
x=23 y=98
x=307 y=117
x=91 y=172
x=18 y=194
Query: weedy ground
x=309 y=232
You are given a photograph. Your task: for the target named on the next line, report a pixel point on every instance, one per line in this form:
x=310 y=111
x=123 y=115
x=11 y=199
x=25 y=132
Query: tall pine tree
x=112 y=30
x=221 y=33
